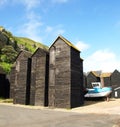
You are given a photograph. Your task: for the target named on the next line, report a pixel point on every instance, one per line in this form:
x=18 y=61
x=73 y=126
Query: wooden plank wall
x=61 y=90
x=12 y=82
x=21 y=77
x=39 y=78
x=91 y=78
x=77 y=96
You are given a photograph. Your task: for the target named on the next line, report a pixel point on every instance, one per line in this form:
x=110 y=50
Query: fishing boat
x=98 y=90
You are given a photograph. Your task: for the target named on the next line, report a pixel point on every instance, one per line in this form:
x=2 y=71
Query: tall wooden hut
x=115 y=79
x=22 y=78
x=39 y=78
x=115 y=83
x=65 y=75
x=93 y=76
x=106 y=79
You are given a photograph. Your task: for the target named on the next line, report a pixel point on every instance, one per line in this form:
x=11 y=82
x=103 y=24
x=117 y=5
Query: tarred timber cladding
x=84 y=80
x=39 y=78
x=115 y=79
x=12 y=82
x=115 y=83
x=22 y=78
x=92 y=78
x=107 y=81
x=77 y=97
x=62 y=88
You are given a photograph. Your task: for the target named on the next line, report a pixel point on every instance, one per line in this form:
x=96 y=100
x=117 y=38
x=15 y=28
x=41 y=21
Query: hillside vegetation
x=11 y=45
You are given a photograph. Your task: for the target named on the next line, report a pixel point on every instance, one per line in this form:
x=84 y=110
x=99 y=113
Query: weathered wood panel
x=77 y=96
x=92 y=78
x=115 y=83
x=115 y=79
x=107 y=81
x=12 y=82
x=65 y=62
x=39 y=78
x=22 y=78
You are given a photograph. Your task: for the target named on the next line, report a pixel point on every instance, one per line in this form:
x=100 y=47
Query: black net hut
x=39 y=78
x=65 y=75
x=22 y=78
x=115 y=83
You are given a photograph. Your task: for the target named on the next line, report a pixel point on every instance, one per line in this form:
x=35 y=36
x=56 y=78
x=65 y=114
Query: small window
x=58 y=50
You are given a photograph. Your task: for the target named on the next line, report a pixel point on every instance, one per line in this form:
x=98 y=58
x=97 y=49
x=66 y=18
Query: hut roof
x=95 y=73
x=40 y=49
x=108 y=74
x=26 y=54
x=66 y=41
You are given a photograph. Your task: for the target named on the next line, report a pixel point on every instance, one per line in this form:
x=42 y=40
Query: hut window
x=58 y=50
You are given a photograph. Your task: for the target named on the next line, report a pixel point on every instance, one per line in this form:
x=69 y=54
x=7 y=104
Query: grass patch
x=2 y=100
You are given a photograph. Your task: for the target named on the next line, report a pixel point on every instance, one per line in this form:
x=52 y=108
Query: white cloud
x=59 y=1
x=104 y=60
x=31 y=28
x=82 y=46
x=29 y=4
x=54 y=31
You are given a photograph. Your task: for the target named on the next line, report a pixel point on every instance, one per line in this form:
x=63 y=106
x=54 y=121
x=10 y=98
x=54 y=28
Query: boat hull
x=100 y=94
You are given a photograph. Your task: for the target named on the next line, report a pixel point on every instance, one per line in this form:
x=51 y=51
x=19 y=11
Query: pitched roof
x=95 y=73
x=40 y=49
x=108 y=74
x=27 y=54
x=67 y=42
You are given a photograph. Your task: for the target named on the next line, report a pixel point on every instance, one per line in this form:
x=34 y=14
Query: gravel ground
x=92 y=114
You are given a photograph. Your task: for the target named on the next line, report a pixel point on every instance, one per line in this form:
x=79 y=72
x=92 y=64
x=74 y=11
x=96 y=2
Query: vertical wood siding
x=39 y=78
x=65 y=80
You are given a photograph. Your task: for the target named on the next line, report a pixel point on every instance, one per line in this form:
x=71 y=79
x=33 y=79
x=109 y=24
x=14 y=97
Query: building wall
x=62 y=92
x=77 y=97
x=91 y=78
x=107 y=81
x=39 y=78
x=115 y=82
x=115 y=79
x=59 y=75
x=116 y=93
x=22 y=79
x=12 y=82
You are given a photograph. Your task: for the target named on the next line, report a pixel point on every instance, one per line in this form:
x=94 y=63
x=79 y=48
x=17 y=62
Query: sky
x=93 y=26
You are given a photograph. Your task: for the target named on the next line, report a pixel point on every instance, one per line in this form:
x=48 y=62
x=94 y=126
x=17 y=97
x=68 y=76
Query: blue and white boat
x=98 y=91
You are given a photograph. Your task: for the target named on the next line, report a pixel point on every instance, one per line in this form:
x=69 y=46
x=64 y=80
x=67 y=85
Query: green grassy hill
x=29 y=44
x=11 y=45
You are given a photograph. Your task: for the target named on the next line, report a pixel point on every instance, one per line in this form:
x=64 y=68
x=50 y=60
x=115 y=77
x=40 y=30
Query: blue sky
x=92 y=25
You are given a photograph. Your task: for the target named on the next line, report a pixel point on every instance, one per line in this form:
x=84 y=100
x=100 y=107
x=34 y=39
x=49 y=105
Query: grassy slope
x=30 y=44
